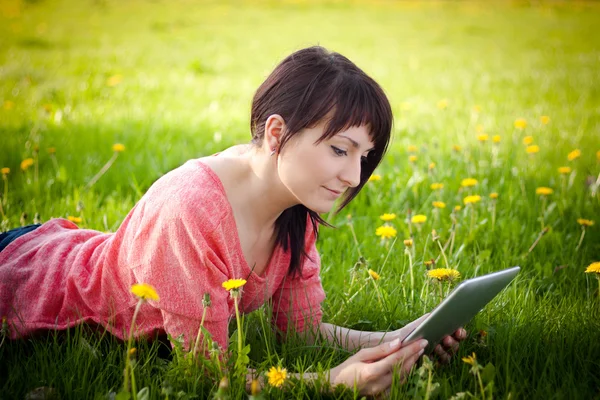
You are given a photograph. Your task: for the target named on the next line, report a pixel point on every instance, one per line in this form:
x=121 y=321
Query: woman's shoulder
x=190 y=189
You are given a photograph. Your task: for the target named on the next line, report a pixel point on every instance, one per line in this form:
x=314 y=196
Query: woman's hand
x=447 y=347
x=371 y=369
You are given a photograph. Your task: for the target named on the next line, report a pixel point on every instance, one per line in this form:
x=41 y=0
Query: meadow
x=495 y=162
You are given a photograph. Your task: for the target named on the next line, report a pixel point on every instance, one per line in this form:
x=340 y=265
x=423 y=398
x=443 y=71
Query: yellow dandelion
x=431 y=166
x=544 y=119
x=412 y=158
x=476 y=109
x=585 y=222
x=493 y=195
x=386 y=232
x=374 y=178
x=574 y=154
x=468 y=182
x=483 y=137
x=544 y=191
x=428 y=262
x=471 y=360
x=387 y=217
x=520 y=123
x=456 y=148
x=457 y=208
x=527 y=140
x=472 y=199
x=404 y=106
x=593 y=268
x=114 y=80
x=442 y=104
x=437 y=186
x=564 y=170
x=144 y=291
x=439 y=204
x=443 y=274
x=412 y=149
x=418 y=219
x=77 y=220
x=408 y=242
x=598 y=155
x=26 y=163
x=374 y=274
x=255 y=388
x=118 y=147
x=233 y=284
x=5 y=171
x=277 y=376
x=479 y=128
x=532 y=149
x=496 y=139
x=8 y=105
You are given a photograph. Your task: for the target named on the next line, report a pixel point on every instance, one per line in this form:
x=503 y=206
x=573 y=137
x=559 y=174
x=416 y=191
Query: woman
x=319 y=128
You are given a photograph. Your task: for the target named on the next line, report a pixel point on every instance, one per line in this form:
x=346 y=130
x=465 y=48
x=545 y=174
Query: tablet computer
x=460 y=306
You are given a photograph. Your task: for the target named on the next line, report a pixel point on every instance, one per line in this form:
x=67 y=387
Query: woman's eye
x=339 y=152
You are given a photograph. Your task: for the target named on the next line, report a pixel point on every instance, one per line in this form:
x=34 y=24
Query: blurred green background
x=173 y=80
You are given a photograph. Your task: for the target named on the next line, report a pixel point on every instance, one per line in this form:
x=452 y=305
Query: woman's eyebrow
x=355 y=143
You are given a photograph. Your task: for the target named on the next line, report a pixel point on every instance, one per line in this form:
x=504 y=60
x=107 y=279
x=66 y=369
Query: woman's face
x=318 y=174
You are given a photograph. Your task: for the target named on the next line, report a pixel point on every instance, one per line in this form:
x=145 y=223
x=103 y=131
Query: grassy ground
x=174 y=80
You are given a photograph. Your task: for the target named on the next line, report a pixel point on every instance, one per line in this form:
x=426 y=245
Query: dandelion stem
x=239 y=325
x=493 y=215
x=481 y=385
x=102 y=171
x=195 y=353
x=472 y=221
x=129 y=340
x=388 y=254
x=5 y=199
x=443 y=253
x=412 y=276
x=55 y=163
x=581 y=238
x=543 y=210
x=355 y=238
x=377 y=291
x=542 y=233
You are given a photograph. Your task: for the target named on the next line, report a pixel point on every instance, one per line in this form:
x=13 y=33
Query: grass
x=174 y=80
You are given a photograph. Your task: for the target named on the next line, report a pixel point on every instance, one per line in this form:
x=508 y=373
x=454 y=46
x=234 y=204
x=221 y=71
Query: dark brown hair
x=306 y=87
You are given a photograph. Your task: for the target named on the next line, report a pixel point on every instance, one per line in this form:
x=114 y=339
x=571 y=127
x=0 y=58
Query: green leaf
x=123 y=395
x=144 y=393
x=488 y=373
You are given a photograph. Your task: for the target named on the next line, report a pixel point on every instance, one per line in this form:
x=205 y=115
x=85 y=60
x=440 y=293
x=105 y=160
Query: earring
x=272 y=152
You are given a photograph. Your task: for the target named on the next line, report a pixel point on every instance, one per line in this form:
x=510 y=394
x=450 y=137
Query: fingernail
x=421 y=352
x=424 y=343
x=394 y=343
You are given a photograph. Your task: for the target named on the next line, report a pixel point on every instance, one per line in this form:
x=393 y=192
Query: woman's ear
x=274 y=128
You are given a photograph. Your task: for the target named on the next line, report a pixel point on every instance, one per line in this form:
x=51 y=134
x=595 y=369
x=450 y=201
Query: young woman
x=319 y=128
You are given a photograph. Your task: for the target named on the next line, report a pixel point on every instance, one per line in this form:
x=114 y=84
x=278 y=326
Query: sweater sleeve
x=173 y=250
x=297 y=301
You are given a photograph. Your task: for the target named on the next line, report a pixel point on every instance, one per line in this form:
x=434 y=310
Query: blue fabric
x=7 y=237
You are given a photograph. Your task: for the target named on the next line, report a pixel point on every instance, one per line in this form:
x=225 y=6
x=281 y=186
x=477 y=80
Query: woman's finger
x=378 y=352
x=451 y=345
x=460 y=334
x=402 y=356
x=408 y=365
x=442 y=354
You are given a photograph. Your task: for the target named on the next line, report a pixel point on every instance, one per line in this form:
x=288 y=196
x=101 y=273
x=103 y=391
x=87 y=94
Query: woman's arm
x=351 y=339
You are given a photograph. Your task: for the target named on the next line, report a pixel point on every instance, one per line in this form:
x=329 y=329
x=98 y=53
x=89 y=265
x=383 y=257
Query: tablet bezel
x=465 y=301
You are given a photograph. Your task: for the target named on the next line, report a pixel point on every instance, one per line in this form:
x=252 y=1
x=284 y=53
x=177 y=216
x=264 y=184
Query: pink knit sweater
x=180 y=238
